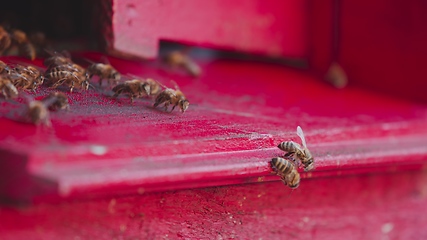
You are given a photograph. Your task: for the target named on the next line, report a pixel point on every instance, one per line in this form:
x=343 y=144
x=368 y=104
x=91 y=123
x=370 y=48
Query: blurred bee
x=28 y=78
x=134 y=88
x=155 y=87
x=70 y=79
x=57 y=59
x=287 y=171
x=301 y=153
x=7 y=89
x=5 y=40
x=71 y=67
x=104 y=71
x=4 y=68
x=25 y=47
x=172 y=97
x=38 y=113
x=336 y=76
x=56 y=101
x=179 y=59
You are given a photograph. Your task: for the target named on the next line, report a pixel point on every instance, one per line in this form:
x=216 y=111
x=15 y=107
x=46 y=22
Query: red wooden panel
x=379 y=206
x=275 y=28
x=383 y=46
x=103 y=146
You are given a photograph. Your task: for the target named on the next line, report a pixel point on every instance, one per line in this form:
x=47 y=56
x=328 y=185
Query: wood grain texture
x=240 y=111
x=367 y=206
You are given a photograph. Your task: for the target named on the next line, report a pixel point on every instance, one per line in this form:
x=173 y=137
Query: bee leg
x=72 y=86
x=100 y=82
x=131 y=99
x=166 y=105
x=159 y=101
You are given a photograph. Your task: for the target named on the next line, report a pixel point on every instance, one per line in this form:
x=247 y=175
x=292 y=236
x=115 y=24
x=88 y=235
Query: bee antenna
x=49 y=51
x=134 y=76
x=91 y=86
x=161 y=84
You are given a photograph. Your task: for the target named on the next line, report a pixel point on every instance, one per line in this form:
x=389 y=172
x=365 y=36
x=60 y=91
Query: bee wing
x=175 y=85
x=134 y=76
x=48 y=101
x=161 y=84
x=300 y=134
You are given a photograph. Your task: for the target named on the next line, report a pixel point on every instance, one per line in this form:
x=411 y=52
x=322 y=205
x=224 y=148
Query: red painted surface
x=235 y=121
x=379 y=206
x=108 y=169
x=275 y=28
x=383 y=46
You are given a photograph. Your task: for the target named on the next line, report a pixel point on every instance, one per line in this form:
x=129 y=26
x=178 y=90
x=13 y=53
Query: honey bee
x=37 y=113
x=8 y=90
x=70 y=79
x=4 y=68
x=155 y=87
x=104 y=71
x=180 y=59
x=175 y=97
x=287 y=171
x=71 y=67
x=336 y=76
x=29 y=78
x=5 y=40
x=25 y=47
x=56 y=101
x=301 y=153
x=134 y=88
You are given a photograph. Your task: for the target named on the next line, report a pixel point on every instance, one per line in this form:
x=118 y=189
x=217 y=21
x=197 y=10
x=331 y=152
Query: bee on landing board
x=27 y=78
x=37 y=113
x=287 y=171
x=70 y=79
x=25 y=47
x=179 y=59
x=4 y=68
x=104 y=71
x=5 y=40
x=155 y=87
x=134 y=88
x=7 y=89
x=56 y=101
x=301 y=153
x=173 y=97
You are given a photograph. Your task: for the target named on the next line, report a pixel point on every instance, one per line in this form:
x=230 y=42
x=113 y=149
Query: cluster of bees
x=286 y=166
x=61 y=71
x=15 y=37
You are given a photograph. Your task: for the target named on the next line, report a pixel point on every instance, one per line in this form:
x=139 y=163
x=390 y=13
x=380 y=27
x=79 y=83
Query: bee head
x=40 y=80
x=183 y=105
x=310 y=166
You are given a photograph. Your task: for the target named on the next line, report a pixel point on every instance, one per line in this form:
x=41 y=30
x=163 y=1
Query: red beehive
x=109 y=169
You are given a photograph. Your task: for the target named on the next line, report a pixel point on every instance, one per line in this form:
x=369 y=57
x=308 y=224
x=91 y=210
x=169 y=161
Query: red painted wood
x=239 y=112
x=383 y=46
x=275 y=28
x=373 y=206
